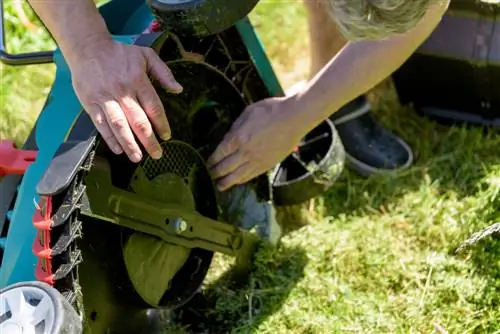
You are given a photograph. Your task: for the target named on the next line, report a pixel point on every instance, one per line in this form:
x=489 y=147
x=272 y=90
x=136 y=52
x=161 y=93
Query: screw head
x=180 y=225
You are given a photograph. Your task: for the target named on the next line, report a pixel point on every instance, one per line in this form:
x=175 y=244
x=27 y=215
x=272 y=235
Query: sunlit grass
x=23 y=89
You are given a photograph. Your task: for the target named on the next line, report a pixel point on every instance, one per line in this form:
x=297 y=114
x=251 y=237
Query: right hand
x=111 y=81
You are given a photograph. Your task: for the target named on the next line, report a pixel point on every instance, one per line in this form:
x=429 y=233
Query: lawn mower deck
x=109 y=241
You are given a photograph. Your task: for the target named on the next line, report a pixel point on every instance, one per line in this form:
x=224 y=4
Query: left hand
x=263 y=135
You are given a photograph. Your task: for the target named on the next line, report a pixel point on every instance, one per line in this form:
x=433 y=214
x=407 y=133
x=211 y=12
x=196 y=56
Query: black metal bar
x=31 y=58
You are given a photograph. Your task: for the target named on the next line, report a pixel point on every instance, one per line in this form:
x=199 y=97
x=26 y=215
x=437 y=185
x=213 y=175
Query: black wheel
x=200 y=17
x=311 y=169
x=36 y=308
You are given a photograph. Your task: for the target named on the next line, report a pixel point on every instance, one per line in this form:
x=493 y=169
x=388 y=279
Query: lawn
x=379 y=255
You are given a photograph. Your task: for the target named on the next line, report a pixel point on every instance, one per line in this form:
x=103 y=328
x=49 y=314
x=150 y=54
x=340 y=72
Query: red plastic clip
x=153 y=27
x=41 y=246
x=14 y=160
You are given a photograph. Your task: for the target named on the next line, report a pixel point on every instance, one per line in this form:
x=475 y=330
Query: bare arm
x=357 y=68
x=74 y=24
x=246 y=151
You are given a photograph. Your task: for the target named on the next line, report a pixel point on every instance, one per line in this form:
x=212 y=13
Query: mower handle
x=31 y=58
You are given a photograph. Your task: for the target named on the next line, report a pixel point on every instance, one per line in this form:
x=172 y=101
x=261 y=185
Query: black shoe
x=370 y=148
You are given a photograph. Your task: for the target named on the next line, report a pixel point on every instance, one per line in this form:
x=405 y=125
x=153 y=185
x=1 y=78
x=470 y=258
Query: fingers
x=228 y=165
x=141 y=126
x=153 y=108
x=242 y=174
x=97 y=115
x=121 y=130
x=125 y=107
x=228 y=146
x=160 y=71
x=117 y=123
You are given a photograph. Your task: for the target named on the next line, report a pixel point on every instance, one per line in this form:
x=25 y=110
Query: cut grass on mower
x=380 y=256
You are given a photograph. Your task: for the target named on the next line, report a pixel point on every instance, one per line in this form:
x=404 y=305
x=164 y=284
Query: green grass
x=381 y=256
x=23 y=89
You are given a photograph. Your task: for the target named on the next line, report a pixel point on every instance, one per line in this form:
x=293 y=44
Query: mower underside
x=117 y=238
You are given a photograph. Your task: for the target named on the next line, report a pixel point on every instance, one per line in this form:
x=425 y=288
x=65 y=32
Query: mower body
x=126 y=20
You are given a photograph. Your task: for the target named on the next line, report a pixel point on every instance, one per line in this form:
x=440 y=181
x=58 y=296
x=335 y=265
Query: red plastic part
x=14 y=160
x=153 y=27
x=41 y=247
x=42 y=220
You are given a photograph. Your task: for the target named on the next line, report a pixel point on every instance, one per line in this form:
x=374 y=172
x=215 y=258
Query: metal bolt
x=180 y=225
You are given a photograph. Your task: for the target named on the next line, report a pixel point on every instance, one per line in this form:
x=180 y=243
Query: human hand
x=264 y=134
x=111 y=81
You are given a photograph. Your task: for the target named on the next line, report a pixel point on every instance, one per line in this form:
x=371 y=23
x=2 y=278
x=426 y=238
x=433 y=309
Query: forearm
x=358 y=67
x=74 y=24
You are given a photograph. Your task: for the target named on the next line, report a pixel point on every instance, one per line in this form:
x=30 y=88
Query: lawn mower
x=93 y=243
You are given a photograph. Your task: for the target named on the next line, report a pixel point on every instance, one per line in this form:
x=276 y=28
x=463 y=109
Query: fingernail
x=166 y=135
x=117 y=150
x=177 y=87
x=157 y=154
x=136 y=157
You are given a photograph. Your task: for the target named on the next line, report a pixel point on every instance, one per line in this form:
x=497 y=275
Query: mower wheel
x=36 y=308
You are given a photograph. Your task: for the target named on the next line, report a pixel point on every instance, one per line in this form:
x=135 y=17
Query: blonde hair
x=377 y=19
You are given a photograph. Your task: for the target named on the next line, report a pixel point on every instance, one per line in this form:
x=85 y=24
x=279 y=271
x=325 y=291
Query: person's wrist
x=312 y=105
x=302 y=109
x=84 y=48
x=295 y=110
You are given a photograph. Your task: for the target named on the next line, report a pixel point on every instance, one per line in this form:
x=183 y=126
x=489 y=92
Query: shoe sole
x=366 y=170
